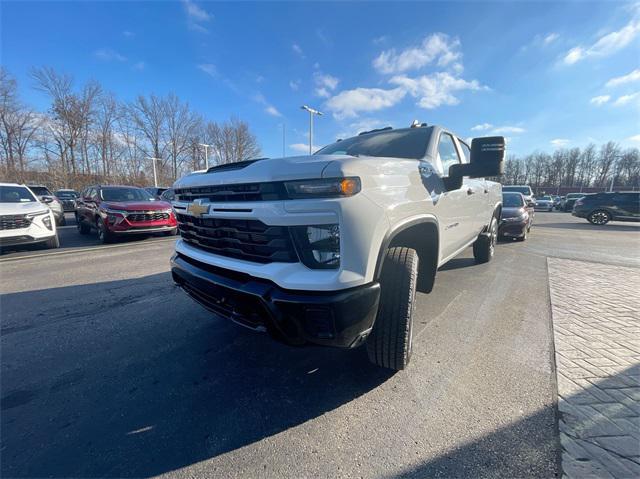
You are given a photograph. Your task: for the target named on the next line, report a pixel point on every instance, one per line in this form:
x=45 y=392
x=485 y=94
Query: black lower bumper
x=513 y=230
x=337 y=318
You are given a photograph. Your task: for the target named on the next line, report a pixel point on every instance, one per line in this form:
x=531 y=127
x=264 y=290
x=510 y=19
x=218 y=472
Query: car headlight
x=114 y=216
x=323 y=188
x=318 y=246
x=47 y=222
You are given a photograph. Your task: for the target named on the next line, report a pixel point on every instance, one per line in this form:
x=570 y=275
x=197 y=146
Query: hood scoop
x=234 y=166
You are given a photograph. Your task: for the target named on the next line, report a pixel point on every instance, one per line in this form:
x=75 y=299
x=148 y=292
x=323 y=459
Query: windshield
x=545 y=198
x=67 y=195
x=40 y=190
x=405 y=143
x=125 y=194
x=512 y=200
x=525 y=190
x=15 y=194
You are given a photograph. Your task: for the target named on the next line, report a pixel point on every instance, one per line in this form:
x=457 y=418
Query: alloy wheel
x=599 y=218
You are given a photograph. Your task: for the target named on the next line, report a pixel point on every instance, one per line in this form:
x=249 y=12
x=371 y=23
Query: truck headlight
x=323 y=188
x=318 y=246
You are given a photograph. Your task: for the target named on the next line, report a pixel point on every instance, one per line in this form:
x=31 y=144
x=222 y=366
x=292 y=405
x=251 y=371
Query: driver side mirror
x=46 y=199
x=487 y=159
x=531 y=204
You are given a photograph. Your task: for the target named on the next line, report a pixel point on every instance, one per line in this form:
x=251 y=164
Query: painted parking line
x=84 y=250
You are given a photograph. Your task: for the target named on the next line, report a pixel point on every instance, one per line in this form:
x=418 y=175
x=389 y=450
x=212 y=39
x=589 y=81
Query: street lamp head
x=205 y=145
x=311 y=110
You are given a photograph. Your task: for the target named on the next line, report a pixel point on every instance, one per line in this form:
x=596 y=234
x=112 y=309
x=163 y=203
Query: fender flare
x=395 y=231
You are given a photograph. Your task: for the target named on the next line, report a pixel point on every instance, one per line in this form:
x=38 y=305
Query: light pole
x=206 y=155
x=311 y=113
x=153 y=162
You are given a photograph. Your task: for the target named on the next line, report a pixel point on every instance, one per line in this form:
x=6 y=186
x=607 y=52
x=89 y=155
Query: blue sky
x=543 y=74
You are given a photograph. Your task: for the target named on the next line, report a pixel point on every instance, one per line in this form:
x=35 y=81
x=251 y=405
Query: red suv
x=120 y=210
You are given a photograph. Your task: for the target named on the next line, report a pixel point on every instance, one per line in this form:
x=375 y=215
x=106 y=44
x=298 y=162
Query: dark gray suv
x=600 y=208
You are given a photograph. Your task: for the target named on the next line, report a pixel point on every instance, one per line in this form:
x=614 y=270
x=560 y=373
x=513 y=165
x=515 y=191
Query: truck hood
x=259 y=171
x=22 y=208
x=137 y=205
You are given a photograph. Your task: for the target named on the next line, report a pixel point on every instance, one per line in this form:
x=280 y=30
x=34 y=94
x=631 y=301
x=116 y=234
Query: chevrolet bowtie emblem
x=197 y=209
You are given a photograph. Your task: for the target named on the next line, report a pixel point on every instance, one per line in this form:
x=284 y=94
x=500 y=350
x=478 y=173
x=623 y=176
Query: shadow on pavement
x=139 y=381
x=616 y=226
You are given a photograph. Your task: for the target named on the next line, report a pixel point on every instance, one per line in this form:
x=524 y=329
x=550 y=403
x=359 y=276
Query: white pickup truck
x=330 y=248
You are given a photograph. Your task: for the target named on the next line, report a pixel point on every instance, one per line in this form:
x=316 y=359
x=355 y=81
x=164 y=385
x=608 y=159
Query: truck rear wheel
x=389 y=344
x=485 y=245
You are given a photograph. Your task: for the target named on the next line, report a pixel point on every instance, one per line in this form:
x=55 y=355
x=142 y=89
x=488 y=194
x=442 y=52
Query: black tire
x=83 y=228
x=103 y=234
x=485 y=246
x=524 y=235
x=599 y=217
x=389 y=344
x=52 y=243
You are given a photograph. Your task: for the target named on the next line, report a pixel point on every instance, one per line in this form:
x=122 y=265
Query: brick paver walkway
x=596 y=328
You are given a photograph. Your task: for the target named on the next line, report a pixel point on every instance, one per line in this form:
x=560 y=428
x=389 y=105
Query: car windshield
x=512 y=200
x=40 y=190
x=525 y=190
x=405 y=143
x=545 y=198
x=125 y=194
x=67 y=195
x=15 y=194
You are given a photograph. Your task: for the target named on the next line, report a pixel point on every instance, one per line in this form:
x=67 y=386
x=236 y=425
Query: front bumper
x=512 y=230
x=22 y=240
x=333 y=318
x=144 y=230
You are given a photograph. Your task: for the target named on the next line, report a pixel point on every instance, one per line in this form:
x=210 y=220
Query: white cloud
x=634 y=138
x=209 y=68
x=435 y=89
x=128 y=34
x=436 y=48
x=600 y=100
x=325 y=84
x=349 y=103
x=196 y=16
x=109 y=55
x=482 y=127
x=300 y=147
x=139 y=66
x=298 y=50
x=550 y=38
x=514 y=130
x=380 y=39
x=606 y=44
x=364 y=124
x=624 y=99
x=195 y=12
x=268 y=107
x=560 y=142
x=272 y=110
x=634 y=76
x=294 y=85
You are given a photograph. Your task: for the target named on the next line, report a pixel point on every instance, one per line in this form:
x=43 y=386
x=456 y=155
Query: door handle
x=486 y=191
x=470 y=191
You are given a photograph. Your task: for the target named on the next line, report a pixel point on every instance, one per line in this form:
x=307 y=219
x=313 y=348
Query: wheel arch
x=421 y=234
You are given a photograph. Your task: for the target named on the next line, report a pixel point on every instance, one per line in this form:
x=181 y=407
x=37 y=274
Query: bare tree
x=587 y=165
x=232 y=141
x=72 y=112
x=609 y=154
x=182 y=125
x=18 y=126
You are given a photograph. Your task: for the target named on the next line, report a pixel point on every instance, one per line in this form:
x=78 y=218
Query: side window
x=466 y=151
x=447 y=153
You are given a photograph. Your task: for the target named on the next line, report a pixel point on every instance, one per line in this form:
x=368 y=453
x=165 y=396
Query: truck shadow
x=130 y=378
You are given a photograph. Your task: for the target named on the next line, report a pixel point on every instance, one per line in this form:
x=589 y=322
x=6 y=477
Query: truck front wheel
x=389 y=344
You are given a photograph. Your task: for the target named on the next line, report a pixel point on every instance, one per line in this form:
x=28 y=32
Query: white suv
x=330 y=248
x=23 y=219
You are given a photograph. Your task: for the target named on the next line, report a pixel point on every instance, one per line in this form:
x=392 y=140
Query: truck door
x=480 y=188
x=457 y=214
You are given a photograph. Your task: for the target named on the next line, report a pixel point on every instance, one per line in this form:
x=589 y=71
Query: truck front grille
x=250 y=240
x=147 y=216
x=231 y=193
x=14 y=222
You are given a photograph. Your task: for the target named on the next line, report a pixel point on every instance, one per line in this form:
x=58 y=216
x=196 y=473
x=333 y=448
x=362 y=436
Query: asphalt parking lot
x=109 y=370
